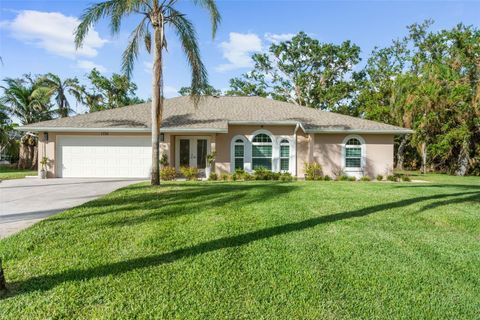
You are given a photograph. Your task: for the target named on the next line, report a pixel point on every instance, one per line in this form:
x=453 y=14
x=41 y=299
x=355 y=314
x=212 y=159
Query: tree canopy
x=108 y=93
x=303 y=71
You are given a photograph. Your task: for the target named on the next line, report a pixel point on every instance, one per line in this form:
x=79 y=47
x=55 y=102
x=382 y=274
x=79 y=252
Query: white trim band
x=69 y=129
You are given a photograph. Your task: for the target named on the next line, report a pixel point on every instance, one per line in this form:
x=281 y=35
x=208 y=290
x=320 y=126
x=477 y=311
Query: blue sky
x=35 y=36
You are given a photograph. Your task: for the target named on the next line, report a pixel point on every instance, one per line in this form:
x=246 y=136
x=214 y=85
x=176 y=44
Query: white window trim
x=247 y=158
x=276 y=140
x=363 y=158
x=291 y=159
x=275 y=148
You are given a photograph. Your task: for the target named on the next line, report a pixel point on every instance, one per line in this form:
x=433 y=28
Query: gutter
x=70 y=129
x=265 y=122
x=372 y=131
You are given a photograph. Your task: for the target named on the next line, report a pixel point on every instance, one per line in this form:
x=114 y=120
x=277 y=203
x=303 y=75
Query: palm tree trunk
x=157 y=102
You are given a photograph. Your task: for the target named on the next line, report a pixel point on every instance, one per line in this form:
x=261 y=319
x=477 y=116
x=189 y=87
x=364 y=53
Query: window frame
x=245 y=144
x=238 y=143
x=271 y=144
x=283 y=142
x=362 y=157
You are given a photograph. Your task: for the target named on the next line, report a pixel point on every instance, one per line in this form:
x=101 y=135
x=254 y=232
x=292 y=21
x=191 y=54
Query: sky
x=37 y=36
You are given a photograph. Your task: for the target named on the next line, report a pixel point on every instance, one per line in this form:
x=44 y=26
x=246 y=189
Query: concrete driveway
x=26 y=201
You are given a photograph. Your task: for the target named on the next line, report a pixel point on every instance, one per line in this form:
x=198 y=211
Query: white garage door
x=104 y=156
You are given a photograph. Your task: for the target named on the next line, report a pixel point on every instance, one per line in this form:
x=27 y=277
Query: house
x=245 y=132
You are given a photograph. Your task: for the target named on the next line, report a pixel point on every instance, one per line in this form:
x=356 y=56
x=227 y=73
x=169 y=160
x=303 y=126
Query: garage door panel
x=106 y=157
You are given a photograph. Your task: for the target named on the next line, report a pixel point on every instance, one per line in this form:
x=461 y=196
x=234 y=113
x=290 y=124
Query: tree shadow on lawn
x=174 y=199
x=47 y=282
x=438 y=185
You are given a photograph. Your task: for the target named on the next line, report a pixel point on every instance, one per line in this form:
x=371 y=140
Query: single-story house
x=245 y=132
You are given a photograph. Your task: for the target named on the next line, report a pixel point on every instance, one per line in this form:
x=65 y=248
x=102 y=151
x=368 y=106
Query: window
x=353 y=154
x=262 y=151
x=284 y=155
x=239 y=154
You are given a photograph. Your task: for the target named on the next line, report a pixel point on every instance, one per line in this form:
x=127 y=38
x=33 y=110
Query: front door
x=192 y=152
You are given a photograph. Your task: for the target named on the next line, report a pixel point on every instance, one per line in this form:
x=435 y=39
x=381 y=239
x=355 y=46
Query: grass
x=7 y=173
x=255 y=250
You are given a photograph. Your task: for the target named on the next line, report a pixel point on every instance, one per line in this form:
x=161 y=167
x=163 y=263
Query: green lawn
x=255 y=250
x=7 y=173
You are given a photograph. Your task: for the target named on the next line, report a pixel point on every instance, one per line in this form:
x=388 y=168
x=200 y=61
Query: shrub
x=352 y=178
x=168 y=173
x=211 y=158
x=327 y=178
x=224 y=176
x=248 y=177
x=392 y=178
x=406 y=178
x=286 y=176
x=313 y=171
x=213 y=176
x=342 y=178
x=164 y=160
x=262 y=173
x=239 y=174
x=365 y=178
x=379 y=177
x=191 y=173
x=276 y=175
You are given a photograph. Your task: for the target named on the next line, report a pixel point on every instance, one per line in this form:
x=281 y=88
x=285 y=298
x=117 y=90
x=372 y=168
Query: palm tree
x=29 y=101
x=4 y=127
x=26 y=99
x=60 y=89
x=156 y=15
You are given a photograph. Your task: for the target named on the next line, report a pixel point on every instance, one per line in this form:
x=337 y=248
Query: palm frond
x=131 y=51
x=215 y=17
x=188 y=38
x=115 y=9
x=148 y=40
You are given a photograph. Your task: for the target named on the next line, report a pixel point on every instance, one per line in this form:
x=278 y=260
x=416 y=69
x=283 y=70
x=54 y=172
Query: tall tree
x=29 y=101
x=303 y=71
x=60 y=88
x=156 y=15
x=109 y=93
x=429 y=81
x=5 y=125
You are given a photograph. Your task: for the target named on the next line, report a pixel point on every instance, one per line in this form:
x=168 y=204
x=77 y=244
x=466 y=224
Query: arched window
x=353 y=154
x=262 y=151
x=239 y=154
x=284 y=155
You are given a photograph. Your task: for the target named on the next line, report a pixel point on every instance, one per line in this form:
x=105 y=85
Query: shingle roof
x=215 y=113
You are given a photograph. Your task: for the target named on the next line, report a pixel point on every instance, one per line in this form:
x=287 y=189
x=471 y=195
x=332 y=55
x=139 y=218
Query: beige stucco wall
x=223 y=141
x=378 y=153
x=325 y=149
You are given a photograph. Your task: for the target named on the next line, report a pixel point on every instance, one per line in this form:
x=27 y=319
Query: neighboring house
x=245 y=132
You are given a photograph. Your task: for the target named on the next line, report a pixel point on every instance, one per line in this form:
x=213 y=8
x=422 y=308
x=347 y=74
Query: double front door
x=191 y=152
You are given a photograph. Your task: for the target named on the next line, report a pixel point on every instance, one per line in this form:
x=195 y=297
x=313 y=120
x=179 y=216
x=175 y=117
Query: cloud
x=276 y=38
x=238 y=49
x=89 y=65
x=53 y=32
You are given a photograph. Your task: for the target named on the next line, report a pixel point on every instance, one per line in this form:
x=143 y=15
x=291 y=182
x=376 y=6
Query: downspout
x=296 y=152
